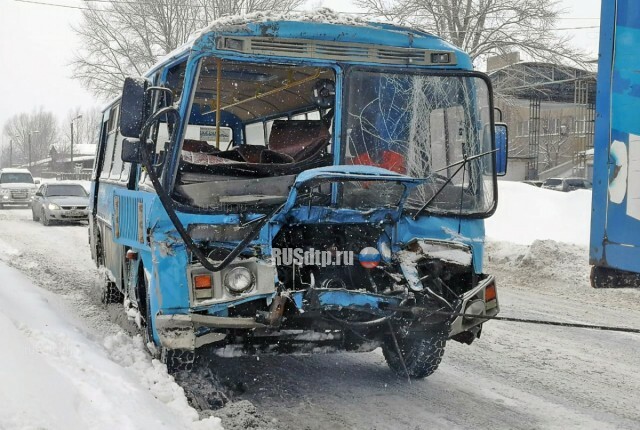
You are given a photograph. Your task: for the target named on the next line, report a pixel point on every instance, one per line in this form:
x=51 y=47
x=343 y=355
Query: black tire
x=176 y=360
x=1 y=206
x=422 y=353
x=110 y=292
x=44 y=219
x=605 y=277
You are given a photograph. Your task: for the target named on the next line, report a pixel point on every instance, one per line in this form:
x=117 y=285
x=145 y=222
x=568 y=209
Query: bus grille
x=129 y=218
x=305 y=48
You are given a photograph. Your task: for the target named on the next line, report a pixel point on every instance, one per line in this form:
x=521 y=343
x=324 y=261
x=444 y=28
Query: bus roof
x=319 y=25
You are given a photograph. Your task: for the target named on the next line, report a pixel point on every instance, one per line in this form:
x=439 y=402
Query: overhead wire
x=43 y=3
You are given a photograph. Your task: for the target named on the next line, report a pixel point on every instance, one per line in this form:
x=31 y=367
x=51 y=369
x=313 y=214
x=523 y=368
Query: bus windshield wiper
x=461 y=164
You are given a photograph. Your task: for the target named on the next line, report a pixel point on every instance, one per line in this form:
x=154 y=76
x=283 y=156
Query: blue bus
x=615 y=217
x=294 y=185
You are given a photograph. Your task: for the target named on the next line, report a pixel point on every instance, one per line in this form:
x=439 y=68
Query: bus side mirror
x=133 y=106
x=502 y=148
x=131 y=150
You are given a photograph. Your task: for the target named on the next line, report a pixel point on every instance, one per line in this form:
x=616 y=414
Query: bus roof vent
x=274 y=47
x=305 y=48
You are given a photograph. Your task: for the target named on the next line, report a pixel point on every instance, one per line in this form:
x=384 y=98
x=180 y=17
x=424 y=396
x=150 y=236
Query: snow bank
x=527 y=213
x=55 y=377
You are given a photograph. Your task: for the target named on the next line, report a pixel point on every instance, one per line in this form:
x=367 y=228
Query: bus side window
x=116 y=168
x=99 y=160
x=112 y=126
x=254 y=134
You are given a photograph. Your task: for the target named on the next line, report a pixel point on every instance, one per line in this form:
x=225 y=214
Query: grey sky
x=37 y=44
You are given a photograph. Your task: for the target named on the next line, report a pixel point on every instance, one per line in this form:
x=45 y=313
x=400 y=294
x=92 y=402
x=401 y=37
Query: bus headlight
x=238 y=280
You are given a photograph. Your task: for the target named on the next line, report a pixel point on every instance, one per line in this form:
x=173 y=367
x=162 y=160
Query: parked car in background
x=534 y=183
x=64 y=202
x=17 y=187
x=566 y=184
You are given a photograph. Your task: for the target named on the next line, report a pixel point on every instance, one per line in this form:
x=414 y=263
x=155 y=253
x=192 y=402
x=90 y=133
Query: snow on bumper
x=179 y=331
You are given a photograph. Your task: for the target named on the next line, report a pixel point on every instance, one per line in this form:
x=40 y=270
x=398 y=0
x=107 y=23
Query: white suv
x=17 y=187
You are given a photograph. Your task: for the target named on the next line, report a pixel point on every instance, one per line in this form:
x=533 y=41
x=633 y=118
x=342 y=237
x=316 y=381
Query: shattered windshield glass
x=420 y=125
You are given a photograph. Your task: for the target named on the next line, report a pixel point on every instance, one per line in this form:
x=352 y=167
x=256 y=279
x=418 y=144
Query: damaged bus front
x=302 y=187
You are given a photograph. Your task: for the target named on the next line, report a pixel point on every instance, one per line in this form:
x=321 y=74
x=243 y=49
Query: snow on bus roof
x=233 y=23
x=236 y=22
x=322 y=15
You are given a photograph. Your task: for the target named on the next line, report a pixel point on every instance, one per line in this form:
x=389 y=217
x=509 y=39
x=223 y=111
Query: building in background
x=550 y=112
x=61 y=166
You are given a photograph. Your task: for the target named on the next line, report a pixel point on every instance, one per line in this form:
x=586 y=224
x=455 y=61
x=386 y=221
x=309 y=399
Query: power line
x=52 y=4
x=40 y=3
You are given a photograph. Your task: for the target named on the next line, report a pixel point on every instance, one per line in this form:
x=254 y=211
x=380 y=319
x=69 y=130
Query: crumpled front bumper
x=475 y=303
x=192 y=330
x=179 y=331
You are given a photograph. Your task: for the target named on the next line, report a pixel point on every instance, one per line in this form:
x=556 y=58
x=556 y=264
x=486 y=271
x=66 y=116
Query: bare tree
x=122 y=38
x=555 y=145
x=32 y=134
x=485 y=27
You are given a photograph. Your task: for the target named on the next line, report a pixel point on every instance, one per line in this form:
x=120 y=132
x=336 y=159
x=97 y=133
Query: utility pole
x=71 y=155
x=11 y=152
x=30 y=132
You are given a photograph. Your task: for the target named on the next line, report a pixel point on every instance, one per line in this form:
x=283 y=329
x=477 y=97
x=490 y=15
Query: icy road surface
x=516 y=376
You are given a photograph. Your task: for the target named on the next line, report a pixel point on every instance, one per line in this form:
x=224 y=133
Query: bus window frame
x=192 y=74
x=112 y=128
x=350 y=69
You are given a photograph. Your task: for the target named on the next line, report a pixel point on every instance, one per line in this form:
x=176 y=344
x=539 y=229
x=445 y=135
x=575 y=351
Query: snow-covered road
x=516 y=376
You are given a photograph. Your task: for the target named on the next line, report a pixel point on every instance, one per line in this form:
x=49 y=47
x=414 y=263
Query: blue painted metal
x=501 y=150
x=615 y=222
x=164 y=255
x=346 y=298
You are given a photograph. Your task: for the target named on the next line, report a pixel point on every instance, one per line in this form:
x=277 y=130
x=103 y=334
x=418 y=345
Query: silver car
x=566 y=184
x=64 y=202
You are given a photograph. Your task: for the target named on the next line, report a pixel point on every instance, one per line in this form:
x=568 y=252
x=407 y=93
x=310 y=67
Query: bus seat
x=298 y=139
x=200 y=146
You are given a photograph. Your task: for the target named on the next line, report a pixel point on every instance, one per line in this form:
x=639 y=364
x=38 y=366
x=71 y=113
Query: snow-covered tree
x=32 y=135
x=124 y=38
x=484 y=28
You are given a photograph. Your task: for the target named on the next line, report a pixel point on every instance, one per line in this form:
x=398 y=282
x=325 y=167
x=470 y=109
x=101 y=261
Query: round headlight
x=238 y=280
x=53 y=207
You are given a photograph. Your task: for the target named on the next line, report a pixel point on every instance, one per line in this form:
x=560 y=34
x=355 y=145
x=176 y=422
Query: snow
x=320 y=15
x=85 y=184
x=527 y=213
x=56 y=376
x=239 y=22
x=65 y=365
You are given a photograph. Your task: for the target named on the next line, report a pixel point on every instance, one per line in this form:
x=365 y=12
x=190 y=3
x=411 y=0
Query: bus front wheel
x=176 y=360
x=421 y=353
